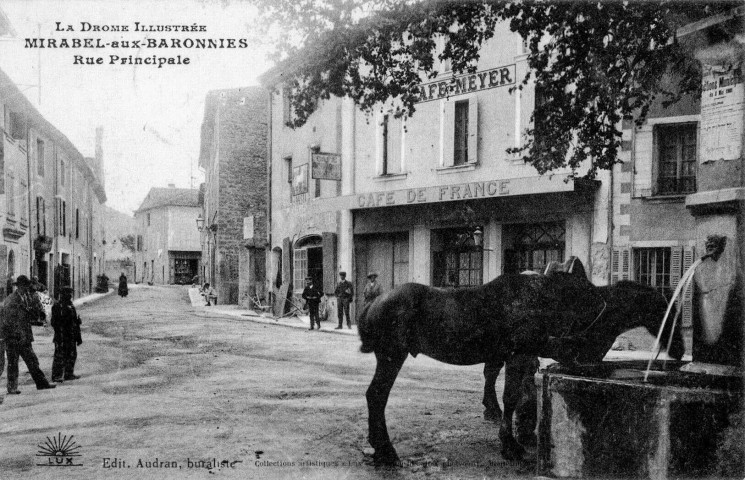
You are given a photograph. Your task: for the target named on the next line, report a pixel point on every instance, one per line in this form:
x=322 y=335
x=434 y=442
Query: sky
x=151 y=116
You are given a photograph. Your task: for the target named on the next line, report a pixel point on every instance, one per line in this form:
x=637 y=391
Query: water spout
x=680 y=291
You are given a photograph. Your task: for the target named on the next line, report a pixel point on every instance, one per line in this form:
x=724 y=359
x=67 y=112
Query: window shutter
x=286 y=261
x=473 y=130
x=447 y=147
x=676 y=260
x=328 y=242
x=620 y=265
x=688 y=258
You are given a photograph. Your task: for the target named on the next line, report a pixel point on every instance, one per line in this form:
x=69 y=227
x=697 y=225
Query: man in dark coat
x=66 y=324
x=18 y=314
x=344 y=296
x=312 y=296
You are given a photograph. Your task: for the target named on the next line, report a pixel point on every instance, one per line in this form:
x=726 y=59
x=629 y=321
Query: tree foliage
x=128 y=242
x=594 y=63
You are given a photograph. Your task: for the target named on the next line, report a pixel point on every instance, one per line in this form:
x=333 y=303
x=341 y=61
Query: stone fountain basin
x=604 y=420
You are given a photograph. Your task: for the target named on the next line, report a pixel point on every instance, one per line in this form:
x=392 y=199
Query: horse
x=558 y=316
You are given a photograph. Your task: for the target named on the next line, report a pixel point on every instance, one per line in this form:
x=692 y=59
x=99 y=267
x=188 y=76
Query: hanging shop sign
x=326 y=166
x=469 y=83
x=461 y=191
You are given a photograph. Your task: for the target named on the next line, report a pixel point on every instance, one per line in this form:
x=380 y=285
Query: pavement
x=292 y=321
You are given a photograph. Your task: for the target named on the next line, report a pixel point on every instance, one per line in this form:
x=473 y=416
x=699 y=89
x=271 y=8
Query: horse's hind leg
x=492 y=412
x=386 y=372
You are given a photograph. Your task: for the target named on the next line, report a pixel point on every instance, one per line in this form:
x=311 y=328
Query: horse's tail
x=367 y=330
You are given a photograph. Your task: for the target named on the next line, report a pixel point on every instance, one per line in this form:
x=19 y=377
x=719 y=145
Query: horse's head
x=640 y=305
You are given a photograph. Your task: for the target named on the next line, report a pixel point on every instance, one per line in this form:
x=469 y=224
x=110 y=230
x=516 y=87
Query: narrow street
x=167 y=392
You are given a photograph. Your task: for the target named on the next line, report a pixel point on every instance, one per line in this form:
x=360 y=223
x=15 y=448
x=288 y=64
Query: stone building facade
x=233 y=156
x=435 y=200
x=167 y=249
x=53 y=199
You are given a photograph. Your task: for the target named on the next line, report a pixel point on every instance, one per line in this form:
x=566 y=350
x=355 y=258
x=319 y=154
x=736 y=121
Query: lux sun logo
x=60 y=451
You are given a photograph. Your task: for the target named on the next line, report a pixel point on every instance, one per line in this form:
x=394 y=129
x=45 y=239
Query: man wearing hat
x=312 y=297
x=19 y=313
x=344 y=296
x=66 y=324
x=372 y=289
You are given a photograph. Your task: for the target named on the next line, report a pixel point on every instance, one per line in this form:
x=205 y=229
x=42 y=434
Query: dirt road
x=167 y=392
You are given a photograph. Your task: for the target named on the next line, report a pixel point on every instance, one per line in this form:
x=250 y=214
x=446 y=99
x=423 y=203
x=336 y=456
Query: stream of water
x=680 y=291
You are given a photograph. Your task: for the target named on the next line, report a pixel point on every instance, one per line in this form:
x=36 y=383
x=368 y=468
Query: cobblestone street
x=168 y=391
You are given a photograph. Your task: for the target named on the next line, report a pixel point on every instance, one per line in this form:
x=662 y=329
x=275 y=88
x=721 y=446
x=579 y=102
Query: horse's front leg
x=386 y=371
x=518 y=368
x=492 y=412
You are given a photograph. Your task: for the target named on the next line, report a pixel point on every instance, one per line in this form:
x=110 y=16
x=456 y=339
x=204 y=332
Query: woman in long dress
x=123 y=290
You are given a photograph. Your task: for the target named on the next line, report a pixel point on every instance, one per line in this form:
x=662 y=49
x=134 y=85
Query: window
x=533 y=246
x=457 y=261
x=652 y=267
x=459 y=132
x=61 y=217
x=77 y=223
x=62 y=172
x=24 y=202
x=139 y=243
x=676 y=153
x=390 y=145
x=17 y=126
x=460 y=149
x=40 y=157
x=41 y=220
x=10 y=195
x=148 y=219
x=288 y=163
x=287 y=115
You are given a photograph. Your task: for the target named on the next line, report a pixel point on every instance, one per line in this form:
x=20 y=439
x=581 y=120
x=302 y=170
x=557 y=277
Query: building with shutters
x=234 y=207
x=435 y=200
x=654 y=235
x=167 y=249
x=52 y=200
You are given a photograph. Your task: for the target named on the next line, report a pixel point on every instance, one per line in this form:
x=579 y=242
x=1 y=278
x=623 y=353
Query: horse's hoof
x=511 y=450
x=386 y=456
x=492 y=415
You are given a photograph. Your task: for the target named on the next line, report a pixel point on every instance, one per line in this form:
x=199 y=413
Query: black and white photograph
x=372 y=239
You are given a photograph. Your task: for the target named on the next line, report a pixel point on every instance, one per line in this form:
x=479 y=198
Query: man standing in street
x=344 y=296
x=19 y=313
x=66 y=324
x=372 y=289
x=312 y=297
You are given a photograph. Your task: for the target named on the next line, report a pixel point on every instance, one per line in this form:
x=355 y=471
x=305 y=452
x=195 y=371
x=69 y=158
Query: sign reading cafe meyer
x=483 y=80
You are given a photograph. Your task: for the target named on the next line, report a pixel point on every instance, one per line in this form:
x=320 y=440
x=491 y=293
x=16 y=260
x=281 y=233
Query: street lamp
x=200 y=222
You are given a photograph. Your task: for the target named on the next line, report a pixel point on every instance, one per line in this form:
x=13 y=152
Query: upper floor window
x=62 y=172
x=148 y=219
x=17 y=126
x=40 y=157
x=460 y=132
x=41 y=217
x=460 y=148
x=390 y=143
x=77 y=223
x=677 y=158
